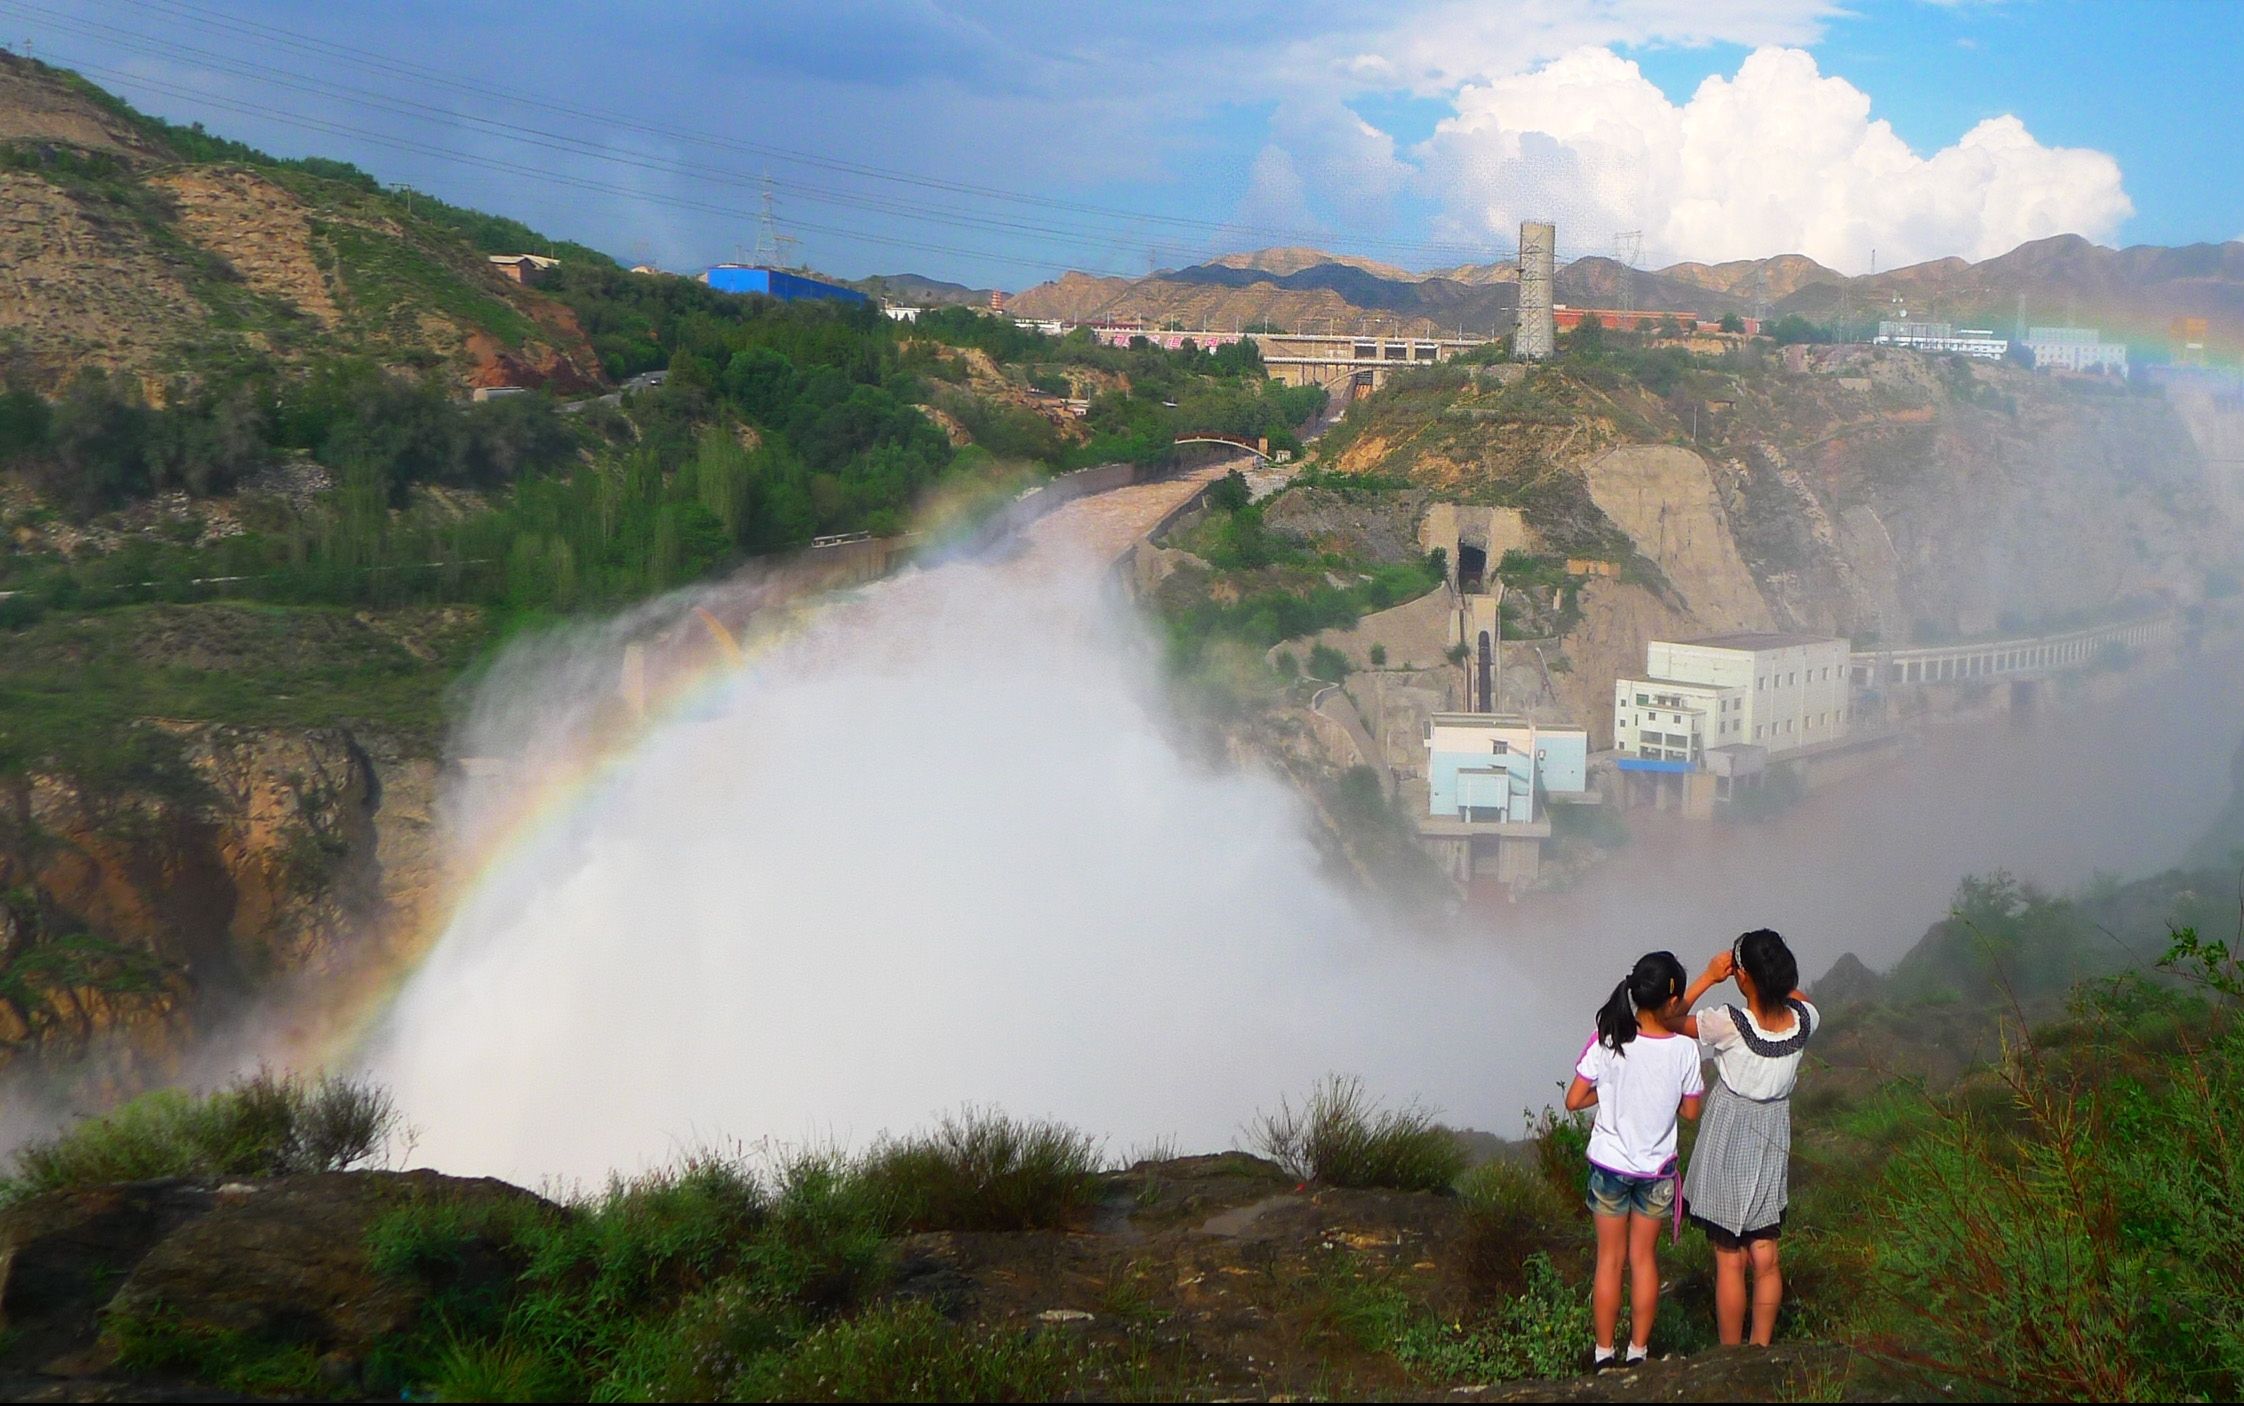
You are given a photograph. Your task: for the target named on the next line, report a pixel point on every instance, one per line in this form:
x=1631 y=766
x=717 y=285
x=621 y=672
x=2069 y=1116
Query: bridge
x=1359 y=361
x=2033 y=657
x=1260 y=448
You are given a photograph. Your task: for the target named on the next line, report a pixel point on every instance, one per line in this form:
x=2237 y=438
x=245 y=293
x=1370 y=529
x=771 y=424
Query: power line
x=549 y=140
x=207 y=17
x=566 y=144
x=558 y=178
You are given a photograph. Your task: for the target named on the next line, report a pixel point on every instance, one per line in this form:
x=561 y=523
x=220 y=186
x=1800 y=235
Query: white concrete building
x=1780 y=693
x=2075 y=349
x=1980 y=342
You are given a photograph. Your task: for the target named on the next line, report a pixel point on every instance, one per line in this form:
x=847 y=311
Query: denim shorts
x=1613 y=1194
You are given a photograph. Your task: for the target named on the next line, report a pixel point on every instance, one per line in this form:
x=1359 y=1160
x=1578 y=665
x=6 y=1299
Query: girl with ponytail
x=1639 y=1076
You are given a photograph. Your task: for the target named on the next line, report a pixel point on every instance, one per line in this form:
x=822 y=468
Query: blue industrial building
x=1484 y=768
x=777 y=283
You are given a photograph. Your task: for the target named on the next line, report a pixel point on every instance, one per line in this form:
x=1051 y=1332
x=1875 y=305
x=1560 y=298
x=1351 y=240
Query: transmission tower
x=1628 y=247
x=772 y=247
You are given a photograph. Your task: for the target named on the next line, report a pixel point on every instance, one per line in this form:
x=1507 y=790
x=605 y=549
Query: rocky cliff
x=1880 y=495
x=138 y=913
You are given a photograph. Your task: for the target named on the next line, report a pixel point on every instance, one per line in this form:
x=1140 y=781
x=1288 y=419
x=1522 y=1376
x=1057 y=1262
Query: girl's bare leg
x=1768 y=1291
x=1612 y=1258
x=1644 y=1277
x=1729 y=1295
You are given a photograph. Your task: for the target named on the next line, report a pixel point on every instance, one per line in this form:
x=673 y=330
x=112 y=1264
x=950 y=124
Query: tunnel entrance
x=1472 y=568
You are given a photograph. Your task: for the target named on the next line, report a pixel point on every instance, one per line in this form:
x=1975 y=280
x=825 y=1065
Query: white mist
x=937 y=849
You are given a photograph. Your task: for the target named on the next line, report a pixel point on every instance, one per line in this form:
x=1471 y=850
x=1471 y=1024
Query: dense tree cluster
x=775 y=423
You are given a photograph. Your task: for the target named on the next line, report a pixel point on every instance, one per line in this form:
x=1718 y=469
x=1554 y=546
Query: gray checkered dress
x=1738 y=1177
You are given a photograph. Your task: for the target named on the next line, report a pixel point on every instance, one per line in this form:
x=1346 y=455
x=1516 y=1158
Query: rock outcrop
x=134 y=917
x=279 y=1262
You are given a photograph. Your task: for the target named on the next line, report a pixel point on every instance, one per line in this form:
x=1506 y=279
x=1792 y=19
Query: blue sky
x=999 y=143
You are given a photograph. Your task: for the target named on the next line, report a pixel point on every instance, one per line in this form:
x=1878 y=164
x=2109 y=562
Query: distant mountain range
x=911 y=290
x=2132 y=293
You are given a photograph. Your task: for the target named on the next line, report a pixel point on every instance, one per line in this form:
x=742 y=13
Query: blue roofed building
x=777 y=283
x=1491 y=767
x=1489 y=780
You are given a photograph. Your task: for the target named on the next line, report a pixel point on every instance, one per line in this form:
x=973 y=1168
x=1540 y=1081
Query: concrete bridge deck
x=2029 y=657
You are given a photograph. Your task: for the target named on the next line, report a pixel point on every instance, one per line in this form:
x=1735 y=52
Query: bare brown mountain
x=1775 y=278
x=121 y=250
x=2132 y=293
x=1295 y=258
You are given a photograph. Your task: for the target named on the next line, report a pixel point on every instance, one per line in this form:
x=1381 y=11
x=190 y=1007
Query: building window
x=1757 y=732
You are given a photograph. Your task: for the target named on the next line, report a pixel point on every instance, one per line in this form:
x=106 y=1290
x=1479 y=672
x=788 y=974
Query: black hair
x=1770 y=963
x=1656 y=979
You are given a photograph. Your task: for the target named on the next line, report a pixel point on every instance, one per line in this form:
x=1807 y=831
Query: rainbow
x=333 y=1028
x=331 y=1024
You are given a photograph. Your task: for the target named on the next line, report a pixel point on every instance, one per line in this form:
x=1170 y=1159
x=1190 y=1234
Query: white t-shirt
x=1639 y=1088
x=1759 y=1063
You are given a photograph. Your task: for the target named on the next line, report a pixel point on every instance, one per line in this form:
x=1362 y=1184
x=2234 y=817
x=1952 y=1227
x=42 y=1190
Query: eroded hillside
x=121 y=253
x=1880 y=495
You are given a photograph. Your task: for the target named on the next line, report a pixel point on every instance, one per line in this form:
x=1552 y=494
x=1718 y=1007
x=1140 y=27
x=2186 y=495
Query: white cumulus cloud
x=1778 y=159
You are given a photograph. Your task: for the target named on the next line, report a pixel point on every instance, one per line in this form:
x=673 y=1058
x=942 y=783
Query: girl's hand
x=1721 y=967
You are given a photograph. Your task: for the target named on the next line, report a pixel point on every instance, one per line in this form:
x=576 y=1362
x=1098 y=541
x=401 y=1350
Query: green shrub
x=1542 y=1332
x=260 y=1125
x=660 y=1233
x=1561 y=1149
x=607 y=1299
x=1328 y=664
x=1507 y=1204
x=2084 y=1240
x=824 y=1245
x=1378 y=656
x=982 y=1170
x=1341 y=1136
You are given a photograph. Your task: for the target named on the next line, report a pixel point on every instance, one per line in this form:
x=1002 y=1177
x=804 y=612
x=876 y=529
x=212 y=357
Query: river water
x=2124 y=783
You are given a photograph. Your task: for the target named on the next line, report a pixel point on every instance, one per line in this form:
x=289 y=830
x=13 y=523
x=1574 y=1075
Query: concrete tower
x=1537 y=337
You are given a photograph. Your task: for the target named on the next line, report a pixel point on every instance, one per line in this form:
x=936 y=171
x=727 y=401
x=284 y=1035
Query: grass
x=981 y=1170
x=261 y=1125
x=391 y=281
x=235 y=1362
x=1342 y=1136
x=911 y=1353
x=1544 y=1331
x=77 y=690
x=718 y=1277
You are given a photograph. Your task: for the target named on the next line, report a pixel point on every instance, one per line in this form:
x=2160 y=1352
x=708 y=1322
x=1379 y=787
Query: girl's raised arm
x=1717 y=971
x=1580 y=1094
